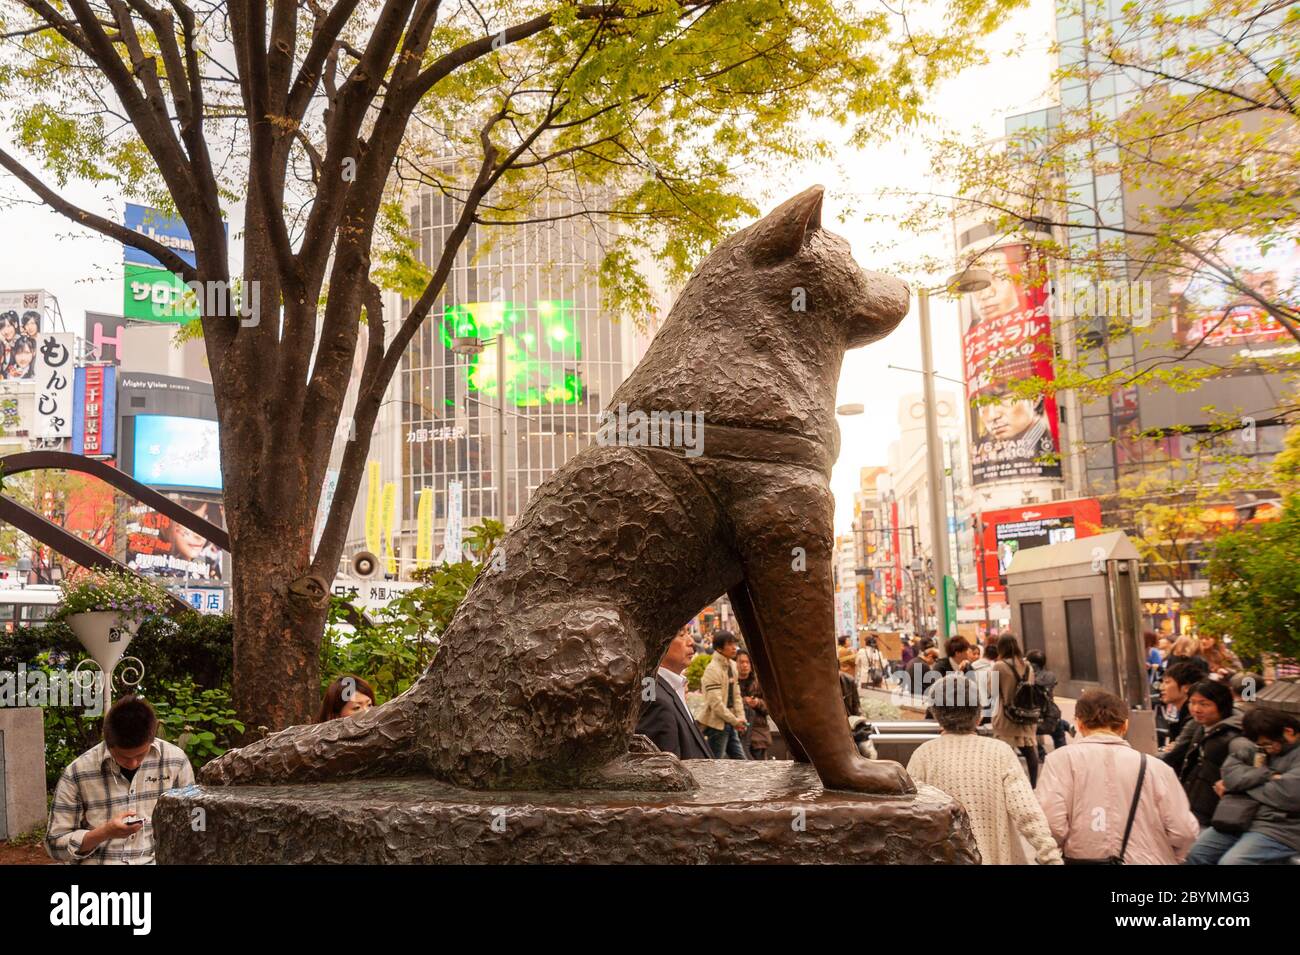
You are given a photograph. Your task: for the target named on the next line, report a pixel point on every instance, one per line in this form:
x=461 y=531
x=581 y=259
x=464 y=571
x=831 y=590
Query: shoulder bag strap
x=1132 y=810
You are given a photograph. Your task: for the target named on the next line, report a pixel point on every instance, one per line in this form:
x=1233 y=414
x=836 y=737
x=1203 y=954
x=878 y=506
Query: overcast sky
x=42 y=250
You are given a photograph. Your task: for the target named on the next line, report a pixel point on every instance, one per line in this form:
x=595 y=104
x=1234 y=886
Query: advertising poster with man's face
x=20 y=326
x=1205 y=308
x=157 y=546
x=1009 y=339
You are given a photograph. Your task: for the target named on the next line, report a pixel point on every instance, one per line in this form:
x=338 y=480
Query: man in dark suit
x=665 y=718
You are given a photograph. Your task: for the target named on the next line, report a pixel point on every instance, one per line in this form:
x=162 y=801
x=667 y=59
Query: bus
x=27 y=606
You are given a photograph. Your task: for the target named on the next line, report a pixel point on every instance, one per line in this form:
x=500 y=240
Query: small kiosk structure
x=1077 y=601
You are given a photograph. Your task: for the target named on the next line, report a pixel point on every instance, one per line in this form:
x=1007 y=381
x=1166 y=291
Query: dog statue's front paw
x=881 y=777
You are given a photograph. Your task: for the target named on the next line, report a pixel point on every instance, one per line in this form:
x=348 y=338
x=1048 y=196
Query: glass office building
x=534 y=287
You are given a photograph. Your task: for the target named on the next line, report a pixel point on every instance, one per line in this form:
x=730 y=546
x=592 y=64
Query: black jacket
x=1052 y=715
x=1176 y=726
x=1203 y=764
x=670 y=726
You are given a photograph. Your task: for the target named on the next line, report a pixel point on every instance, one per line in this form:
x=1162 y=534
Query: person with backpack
x=1105 y=802
x=1021 y=703
x=1051 y=725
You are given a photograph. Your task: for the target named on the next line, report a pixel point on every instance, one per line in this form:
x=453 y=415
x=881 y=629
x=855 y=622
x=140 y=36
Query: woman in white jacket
x=984 y=775
x=1087 y=790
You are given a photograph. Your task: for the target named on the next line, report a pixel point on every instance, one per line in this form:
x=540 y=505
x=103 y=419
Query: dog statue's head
x=812 y=271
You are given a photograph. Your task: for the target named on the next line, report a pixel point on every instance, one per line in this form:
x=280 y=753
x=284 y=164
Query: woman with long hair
x=758 y=738
x=1011 y=670
x=1222 y=661
x=346 y=696
x=1184 y=650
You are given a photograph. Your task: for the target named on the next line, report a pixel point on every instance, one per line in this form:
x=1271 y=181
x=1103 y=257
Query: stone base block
x=22 y=770
x=743 y=812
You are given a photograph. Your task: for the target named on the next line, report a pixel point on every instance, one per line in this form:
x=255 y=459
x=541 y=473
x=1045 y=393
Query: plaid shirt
x=92 y=790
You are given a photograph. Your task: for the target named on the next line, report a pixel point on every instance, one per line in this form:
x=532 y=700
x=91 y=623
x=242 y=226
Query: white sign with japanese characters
x=54 y=381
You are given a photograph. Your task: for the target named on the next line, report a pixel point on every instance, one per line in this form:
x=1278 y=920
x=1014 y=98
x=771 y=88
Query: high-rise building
x=1099 y=446
x=477 y=436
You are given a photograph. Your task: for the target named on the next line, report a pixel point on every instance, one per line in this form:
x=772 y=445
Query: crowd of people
x=1223 y=789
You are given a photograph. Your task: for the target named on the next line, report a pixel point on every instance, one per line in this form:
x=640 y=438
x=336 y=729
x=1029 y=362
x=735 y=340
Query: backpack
x=1029 y=701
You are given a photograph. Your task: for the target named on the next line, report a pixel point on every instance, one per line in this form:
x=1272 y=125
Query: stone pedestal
x=743 y=812
x=22 y=770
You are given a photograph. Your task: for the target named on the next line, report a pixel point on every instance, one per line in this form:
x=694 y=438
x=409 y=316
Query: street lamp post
x=472 y=345
x=971 y=280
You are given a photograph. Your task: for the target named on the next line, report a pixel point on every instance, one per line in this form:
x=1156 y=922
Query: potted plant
x=105 y=608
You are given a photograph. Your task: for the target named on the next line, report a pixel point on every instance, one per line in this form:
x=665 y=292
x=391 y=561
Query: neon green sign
x=538 y=370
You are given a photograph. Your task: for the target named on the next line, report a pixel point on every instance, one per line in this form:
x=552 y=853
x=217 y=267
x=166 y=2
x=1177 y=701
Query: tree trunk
x=277 y=632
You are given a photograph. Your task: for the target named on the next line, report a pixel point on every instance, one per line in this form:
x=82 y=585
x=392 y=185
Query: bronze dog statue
x=538 y=678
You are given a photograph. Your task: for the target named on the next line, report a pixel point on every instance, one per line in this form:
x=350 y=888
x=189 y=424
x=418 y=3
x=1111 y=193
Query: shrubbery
x=187 y=670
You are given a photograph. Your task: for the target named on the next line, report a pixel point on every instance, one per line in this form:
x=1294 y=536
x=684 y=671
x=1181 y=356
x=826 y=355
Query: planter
x=105 y=634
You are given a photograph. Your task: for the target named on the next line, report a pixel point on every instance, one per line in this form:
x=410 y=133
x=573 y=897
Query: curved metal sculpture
x=63 y=461
x=87 y=555
x=538 y=680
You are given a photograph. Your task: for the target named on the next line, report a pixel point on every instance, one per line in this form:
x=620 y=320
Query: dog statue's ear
x=781 y=234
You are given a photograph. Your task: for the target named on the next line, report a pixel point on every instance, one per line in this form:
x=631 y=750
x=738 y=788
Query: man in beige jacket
x=724 y=707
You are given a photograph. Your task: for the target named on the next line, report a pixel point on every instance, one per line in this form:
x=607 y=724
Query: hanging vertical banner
x=94 y=407
x=451 y=534
x=424 y=529
x=372 y=508
x=54 y=381
x=326 y=502
x=389 y=505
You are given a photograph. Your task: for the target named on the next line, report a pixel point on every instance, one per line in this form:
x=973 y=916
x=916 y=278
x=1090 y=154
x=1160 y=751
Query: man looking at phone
x=102 y=812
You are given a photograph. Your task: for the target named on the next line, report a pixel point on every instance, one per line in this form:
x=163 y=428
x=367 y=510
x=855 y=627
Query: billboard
x=1203 y=308
x=157 y=546
x=1008 y=338
x=150 y=292
x=539 y=369
x=22 y=317
x=174 y=451
x=94 y=411
x=1007 y=532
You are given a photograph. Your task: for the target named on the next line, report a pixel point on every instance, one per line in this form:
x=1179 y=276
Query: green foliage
x=393 y=652
x=194 y=652
x=1200 y=140
x=100 y=590
x=695 y=670
x=69 y=732
x=32 y=837
x=1255 y=587
x=194 y=645
x=201 y=722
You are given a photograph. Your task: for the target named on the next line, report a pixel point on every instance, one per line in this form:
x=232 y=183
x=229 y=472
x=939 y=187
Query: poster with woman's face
x=20 y=329
x=158 y=546
x=1008 y=339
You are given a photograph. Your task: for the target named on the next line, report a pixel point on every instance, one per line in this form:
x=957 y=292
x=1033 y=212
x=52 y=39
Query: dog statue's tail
x=375 y=743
